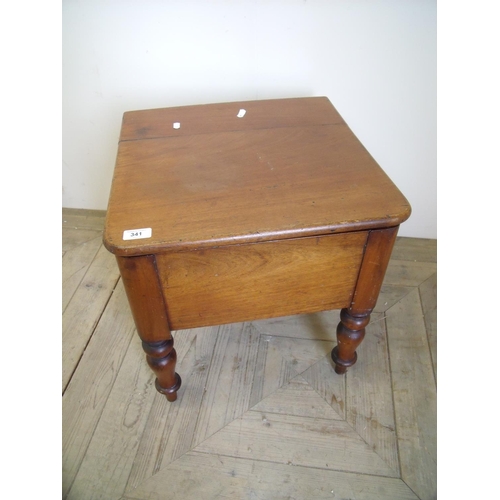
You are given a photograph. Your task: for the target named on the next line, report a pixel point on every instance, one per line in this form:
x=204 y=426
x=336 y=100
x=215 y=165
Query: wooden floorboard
x=369 y=401
x=90 y=387
x=414 y=393
x=76 y=260
x=84 y=310
x=260 y=414
x=200 y=475
x=428 y=297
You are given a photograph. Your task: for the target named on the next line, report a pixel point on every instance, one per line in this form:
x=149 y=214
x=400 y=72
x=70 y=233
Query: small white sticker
x=241 y=113
x=177 y=125
x=137 y=234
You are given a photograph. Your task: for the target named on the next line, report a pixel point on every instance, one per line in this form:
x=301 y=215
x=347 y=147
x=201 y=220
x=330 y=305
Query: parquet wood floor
x=261 y=414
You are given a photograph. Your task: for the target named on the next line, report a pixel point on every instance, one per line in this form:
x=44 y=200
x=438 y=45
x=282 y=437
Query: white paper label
x=137 y=234
x=241 y=113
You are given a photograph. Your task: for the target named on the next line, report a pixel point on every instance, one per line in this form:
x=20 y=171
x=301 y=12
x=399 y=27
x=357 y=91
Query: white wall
x=374 y=59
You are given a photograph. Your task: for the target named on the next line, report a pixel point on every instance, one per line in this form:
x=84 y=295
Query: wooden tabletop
x=199 y=176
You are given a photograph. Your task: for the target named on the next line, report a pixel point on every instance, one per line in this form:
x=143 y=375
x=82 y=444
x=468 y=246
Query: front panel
x=262 y=280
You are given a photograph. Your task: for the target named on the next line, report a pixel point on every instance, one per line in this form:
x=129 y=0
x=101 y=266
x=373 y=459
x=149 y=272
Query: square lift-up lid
x=242 y=172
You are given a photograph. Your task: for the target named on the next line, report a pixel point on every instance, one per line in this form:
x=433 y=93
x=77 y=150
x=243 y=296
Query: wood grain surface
x=288 y=168
x=246 y=282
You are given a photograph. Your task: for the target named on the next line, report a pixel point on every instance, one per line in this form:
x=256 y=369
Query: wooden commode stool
x=223 y=213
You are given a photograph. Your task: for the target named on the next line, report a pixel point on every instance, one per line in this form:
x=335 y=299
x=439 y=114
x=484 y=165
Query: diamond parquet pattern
x=261 y=414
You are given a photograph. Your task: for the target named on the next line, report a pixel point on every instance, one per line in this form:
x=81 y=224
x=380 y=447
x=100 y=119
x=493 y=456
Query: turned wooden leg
x=148 y=308
x=353 y=319
x=350 y=333
x=161 y=358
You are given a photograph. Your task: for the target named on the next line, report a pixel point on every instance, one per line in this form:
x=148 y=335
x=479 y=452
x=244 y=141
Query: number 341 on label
x=137 y=234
